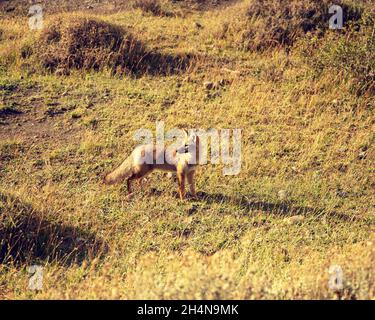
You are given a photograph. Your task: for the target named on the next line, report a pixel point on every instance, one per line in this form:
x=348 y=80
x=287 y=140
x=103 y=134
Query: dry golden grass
x=304 y=199
x=78 y=42
x=82 y=43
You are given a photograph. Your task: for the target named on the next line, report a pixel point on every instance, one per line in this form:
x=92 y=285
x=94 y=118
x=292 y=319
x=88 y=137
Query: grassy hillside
x=303 y=202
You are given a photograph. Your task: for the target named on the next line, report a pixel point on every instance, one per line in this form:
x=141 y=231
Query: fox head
x=191 y=143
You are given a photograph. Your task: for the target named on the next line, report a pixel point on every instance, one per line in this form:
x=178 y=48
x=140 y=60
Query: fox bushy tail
x=125 y=170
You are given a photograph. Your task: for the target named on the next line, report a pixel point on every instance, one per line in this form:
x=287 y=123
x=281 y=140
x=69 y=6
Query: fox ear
x=186 y=133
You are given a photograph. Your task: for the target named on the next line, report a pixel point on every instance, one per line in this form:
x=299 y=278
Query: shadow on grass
x=26 y=235
x=273 y=208
x=162 y=64
x=9 y=111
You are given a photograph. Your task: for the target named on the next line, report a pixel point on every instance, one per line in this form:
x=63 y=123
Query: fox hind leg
x=137 y=174
x=129 y=185
x=191 y=182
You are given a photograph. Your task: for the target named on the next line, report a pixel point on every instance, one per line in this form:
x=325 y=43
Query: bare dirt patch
x=25 y=116
x=21 y=7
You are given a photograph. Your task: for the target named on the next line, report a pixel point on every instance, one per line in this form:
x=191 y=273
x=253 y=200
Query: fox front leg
x=181 y=185
x=191 y=181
